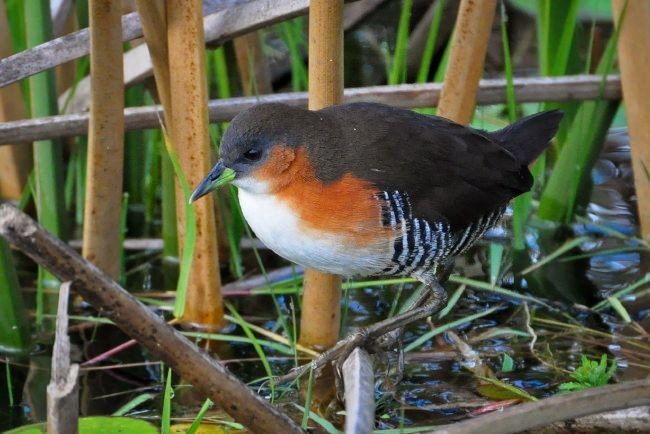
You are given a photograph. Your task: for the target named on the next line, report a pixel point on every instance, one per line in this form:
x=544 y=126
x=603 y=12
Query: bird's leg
x=388 y=340
x=436 y=299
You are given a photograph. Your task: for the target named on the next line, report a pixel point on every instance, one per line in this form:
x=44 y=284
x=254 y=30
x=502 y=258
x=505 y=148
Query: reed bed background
x=542 y=261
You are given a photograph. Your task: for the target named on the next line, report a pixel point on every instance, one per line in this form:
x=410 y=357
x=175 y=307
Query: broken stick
x=139 y=322
x=63 y=390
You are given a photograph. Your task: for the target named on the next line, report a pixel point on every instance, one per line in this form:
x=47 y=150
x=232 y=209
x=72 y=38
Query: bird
x=367 y=189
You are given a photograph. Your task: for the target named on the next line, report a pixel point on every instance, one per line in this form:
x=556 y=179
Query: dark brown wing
x=448 y=170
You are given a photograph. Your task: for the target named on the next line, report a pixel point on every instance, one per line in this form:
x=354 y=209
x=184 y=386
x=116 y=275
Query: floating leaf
x=497 y=389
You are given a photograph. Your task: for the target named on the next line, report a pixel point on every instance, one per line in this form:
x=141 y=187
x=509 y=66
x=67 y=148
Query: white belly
x=279 y=229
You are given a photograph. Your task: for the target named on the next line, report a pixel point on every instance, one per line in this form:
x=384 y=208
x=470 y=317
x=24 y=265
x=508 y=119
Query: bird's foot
x=378 y=336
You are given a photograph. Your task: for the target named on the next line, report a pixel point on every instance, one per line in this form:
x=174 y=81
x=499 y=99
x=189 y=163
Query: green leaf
x=199 y=417
x=620 y=309
x=508 y=364
x=167 y=404
x=135 y=402
x=590 y=374
x=97 y=424
x=497 y=389
x=324 y=423
x=496 y=258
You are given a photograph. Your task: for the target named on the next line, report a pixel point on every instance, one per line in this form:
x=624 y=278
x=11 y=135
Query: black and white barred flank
x=423 y=245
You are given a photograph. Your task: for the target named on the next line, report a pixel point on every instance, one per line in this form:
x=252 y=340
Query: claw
x=380 y=334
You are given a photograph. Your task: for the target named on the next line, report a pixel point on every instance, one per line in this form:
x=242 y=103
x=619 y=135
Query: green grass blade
x=562 y=52
x=10 y=387
x=567 y=246
x=507 y=59
x=275 y=346
x=308 y=397
x=484 y=286
x=168 y=205
x=221 y=73
x=438 y=330
x=258 y=348
x=190 y=231
x=165 y=427
x=430 y=45
x=496 y=258
x=291 y=33
x=199 y=417
x=81 y=144
x=397 y=73
x=134 y=403
x=620 y=309
x=452 y=301
x=623 y=292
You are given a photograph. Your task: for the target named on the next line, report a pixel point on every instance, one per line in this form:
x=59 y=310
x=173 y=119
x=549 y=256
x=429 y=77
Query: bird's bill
x=218 y=176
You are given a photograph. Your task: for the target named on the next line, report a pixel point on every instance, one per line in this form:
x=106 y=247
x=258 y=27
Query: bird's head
x=257 y=149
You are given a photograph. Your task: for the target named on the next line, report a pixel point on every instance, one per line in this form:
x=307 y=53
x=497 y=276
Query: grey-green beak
x=218 y=176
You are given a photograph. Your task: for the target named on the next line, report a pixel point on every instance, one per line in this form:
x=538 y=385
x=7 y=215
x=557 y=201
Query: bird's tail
x=528 y=137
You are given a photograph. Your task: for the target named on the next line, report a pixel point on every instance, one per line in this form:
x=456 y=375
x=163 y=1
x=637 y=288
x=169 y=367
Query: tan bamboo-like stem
x=634 y=61
x=252 y=64
x=153 y=16
x=321 y=306
x=15 y=160
x=189 y=136
x=469 y=45
x=101 y=238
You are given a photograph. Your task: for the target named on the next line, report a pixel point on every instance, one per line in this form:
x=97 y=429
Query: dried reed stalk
x=252 y=64
x=465 y=67
x=101 y=237
x=15 y=160
x=321 y=306
x=189 y=134
x=634 y=61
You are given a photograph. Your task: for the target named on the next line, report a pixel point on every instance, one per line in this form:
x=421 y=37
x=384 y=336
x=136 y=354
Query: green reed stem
x=48 y=156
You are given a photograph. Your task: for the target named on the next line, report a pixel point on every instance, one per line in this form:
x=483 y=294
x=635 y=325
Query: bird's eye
x=252 y=155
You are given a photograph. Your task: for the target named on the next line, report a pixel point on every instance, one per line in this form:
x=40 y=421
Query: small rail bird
x=367 y=189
